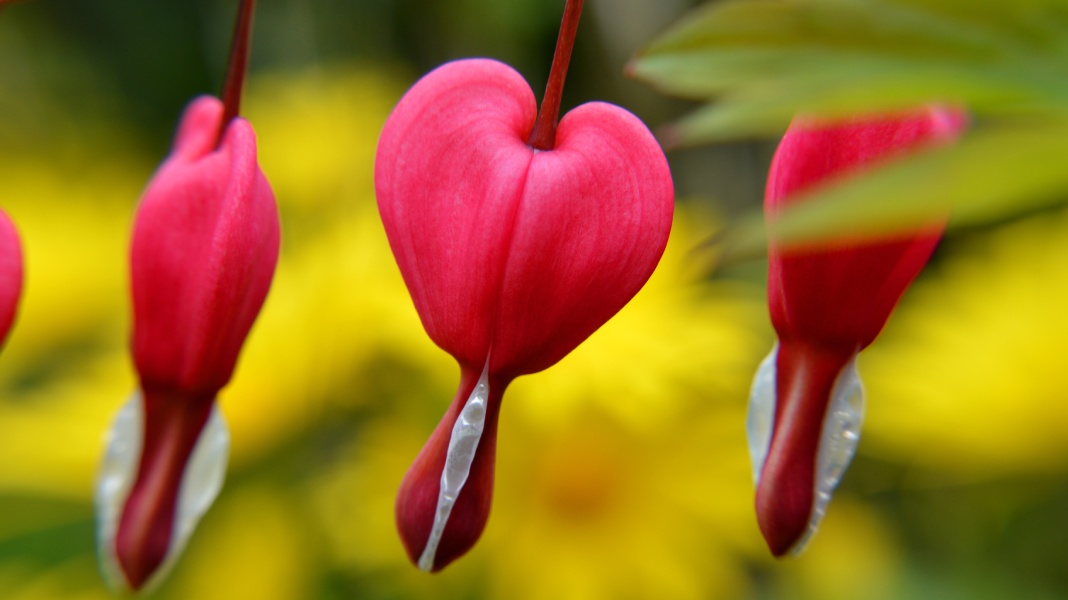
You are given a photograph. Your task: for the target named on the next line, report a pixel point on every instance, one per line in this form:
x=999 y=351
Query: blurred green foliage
x=760 y=62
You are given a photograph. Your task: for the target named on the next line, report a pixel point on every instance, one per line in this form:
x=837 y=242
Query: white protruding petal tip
x=761 y=415
x=117 y=473
x=203 y=478
x=201 y=483
x=463 y=444
x=838 y=444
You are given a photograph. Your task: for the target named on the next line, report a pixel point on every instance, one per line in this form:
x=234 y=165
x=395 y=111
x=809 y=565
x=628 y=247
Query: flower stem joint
x=827 y=304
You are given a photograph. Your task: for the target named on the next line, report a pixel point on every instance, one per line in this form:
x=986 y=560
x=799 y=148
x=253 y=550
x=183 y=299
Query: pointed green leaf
x=765 y=60
x=991 y=173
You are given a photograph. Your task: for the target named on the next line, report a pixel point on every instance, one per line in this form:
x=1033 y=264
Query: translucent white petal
x=201 y=482
x=466 y=434
x=838 y=437
x=761 y=416
x=838 y=443
x=121 y=458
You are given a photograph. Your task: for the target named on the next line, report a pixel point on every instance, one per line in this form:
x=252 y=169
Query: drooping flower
x=516 y=240
x=204 y=249
x=827 y=304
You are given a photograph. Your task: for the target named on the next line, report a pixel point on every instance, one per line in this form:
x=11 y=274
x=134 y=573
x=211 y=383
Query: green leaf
x=758 y=63
x=768 y=110
x=991 y=173
x=765 y=60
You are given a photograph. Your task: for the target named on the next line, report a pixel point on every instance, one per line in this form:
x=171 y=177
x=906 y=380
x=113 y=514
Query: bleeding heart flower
x=10 y=274
x=827 y=304
x=205 y=245
x=515 y=246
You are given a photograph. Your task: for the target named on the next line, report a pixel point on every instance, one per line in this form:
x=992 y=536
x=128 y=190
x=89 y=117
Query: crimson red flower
x=205 y=244
x=516 y=241
x=204 y=249
x=827 y=304
x=10 y=274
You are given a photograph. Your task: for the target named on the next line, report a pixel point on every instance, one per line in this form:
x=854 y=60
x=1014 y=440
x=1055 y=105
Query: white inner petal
x=466 y=433
x=838 y=437
x=838 y=443
x=121 y=458
x=761 y=416
x=201 y=482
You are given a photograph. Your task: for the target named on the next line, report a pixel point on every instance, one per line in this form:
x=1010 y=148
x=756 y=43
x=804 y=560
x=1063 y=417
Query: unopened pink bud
x=204 y=249
x=205 y=245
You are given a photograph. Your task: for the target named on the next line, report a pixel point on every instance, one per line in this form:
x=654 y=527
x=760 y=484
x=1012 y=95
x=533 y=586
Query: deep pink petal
x=528 y=252
x=11 y=274
x=204 y=249
x=450 y=168
x=172 y=427
x=784 y=497
x=592 y=225
x=844 y=294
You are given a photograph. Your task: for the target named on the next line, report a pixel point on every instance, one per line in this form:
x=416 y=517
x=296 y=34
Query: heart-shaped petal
x=506 y=247
x=843 y=293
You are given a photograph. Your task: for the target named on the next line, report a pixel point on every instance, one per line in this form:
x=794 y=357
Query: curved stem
x=543 y=137
x=238 y=66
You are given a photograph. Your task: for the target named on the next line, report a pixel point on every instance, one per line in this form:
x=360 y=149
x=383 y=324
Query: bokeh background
x=622 y=471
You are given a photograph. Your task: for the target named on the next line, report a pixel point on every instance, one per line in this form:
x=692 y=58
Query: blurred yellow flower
x=969 y=377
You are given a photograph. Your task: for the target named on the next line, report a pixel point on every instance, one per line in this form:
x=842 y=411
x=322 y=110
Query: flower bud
x=204 y=249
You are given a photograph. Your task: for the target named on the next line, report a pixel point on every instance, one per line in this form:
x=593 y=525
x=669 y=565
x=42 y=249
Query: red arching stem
x=235 y=72
x=544 y=135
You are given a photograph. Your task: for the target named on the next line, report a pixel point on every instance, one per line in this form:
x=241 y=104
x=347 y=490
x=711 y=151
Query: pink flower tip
x=11 y=274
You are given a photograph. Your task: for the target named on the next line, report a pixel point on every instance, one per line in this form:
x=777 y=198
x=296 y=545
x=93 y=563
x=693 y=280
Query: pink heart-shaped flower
x=512 y=255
